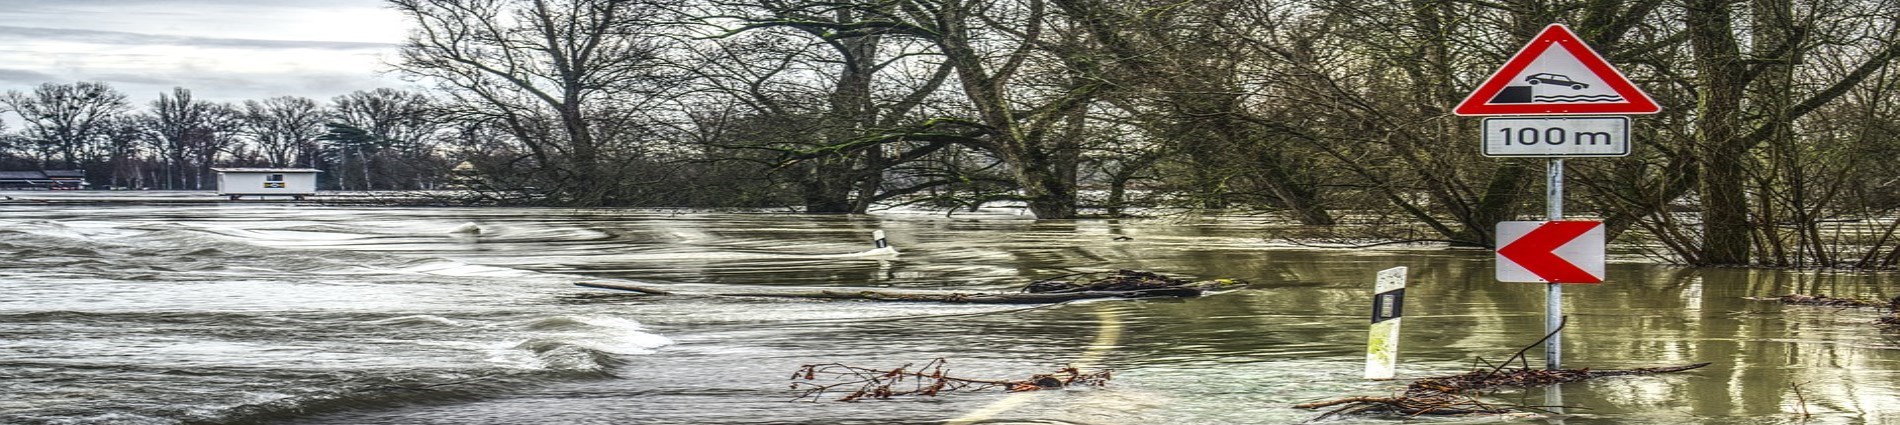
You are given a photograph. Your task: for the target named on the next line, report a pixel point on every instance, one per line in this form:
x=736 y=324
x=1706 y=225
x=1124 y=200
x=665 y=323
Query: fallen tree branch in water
x=1117 y=284
x=1454 y=394
x=929 y=380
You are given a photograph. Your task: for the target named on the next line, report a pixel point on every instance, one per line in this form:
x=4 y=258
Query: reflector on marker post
x=877 y=240
x=1388 y=306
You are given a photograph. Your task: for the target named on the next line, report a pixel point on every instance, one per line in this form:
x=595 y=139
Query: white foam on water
x=419 y=319
x=461 y=269
x=621 y=336
x=558 y=342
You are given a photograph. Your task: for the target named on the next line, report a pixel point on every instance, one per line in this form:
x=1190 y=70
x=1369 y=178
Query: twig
x=1561 y=322
x=1800 y=400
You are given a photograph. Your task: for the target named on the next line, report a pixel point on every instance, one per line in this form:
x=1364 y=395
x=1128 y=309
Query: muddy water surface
x=277 y=313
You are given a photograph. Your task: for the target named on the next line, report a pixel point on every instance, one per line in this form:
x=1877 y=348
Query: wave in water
x=1600 y=98
x=192 y=367
x=159 y=322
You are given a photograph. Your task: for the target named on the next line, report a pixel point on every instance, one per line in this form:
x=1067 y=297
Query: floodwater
x=119 y=313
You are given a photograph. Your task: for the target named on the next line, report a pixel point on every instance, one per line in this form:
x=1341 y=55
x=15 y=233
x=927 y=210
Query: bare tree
x=188 y=134
x=124 y=136
x=1733 y=122
x=1024 y=81
x=836 y=135
x=552 y=72
x=67 y=122
x=283 y=127
x=396 y=126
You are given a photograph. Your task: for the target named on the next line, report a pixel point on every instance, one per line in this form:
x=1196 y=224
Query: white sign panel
x=1557 y=136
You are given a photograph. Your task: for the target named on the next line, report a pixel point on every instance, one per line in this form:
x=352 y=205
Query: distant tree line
x=1774 y=146
x=381 y=139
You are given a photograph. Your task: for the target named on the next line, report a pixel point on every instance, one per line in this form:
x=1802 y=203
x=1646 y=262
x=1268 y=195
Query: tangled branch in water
x=1827 y=301
x=929 y=380
x=1125 y=280
x=1454 y=394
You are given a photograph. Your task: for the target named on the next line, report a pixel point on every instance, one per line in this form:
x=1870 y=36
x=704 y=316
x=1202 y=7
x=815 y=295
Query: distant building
x=44 y=180
x=293 y=182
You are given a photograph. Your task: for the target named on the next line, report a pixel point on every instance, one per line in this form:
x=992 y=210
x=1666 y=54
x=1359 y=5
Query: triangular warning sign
x=1570 y=79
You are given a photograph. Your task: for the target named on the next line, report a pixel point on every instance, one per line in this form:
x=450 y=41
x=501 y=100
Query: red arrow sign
x=1543 y=254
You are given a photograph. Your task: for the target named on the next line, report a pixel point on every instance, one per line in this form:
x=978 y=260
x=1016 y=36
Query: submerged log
x=1118 y=284
x=1890 y=319
x=1827 y=301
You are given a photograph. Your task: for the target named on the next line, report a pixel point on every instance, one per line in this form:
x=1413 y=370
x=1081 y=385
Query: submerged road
x=1107 y=336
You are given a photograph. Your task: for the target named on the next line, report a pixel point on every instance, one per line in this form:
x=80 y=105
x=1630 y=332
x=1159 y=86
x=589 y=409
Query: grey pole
x=1554 y=296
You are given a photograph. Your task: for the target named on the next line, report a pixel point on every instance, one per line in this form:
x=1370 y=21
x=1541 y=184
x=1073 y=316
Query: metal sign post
x=1554 y=295
x=1543 y=87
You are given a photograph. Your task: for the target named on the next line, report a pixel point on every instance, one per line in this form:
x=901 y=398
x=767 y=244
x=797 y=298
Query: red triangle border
x=1636 y=101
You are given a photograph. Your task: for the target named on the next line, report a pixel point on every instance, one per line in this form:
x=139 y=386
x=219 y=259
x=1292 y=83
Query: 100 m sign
x=1556 y=136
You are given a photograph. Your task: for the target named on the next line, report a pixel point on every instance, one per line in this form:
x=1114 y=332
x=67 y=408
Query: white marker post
x=1388 y=305
x=879 y=245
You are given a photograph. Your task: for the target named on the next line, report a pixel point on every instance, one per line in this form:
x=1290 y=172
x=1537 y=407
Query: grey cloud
x=27 y=77
x=132 y=38
x=43 y=6
x=236 y=87
x=133 y=79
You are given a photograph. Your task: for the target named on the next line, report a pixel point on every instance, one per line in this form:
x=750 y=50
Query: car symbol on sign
x=1557 y=79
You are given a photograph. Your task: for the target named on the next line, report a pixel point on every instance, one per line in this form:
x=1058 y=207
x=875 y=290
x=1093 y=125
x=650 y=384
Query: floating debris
x=1079 y=286
x=1456 y=394
x=1827 y=301
x=929 y=380
x=1889 y=319
x=1119 y=280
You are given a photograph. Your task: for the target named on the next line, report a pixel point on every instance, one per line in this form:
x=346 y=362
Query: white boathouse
x=260 y=182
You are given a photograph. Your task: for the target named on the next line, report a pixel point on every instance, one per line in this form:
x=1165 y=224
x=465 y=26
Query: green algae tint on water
x=125 y=313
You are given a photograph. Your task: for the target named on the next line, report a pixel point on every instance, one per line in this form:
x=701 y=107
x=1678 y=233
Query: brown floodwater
x=142 y=313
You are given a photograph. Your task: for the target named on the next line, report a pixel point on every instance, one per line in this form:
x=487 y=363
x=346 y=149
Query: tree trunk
x=829 y=187
x=826 y=187
x=1720 y=149
x=1300 y=198
x=1049 y=196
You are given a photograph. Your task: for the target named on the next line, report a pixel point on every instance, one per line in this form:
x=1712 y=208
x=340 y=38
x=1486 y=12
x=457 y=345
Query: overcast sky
x=223 y=50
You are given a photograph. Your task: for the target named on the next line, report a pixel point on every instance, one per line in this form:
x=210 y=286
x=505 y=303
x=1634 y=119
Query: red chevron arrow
x=1534 y=252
